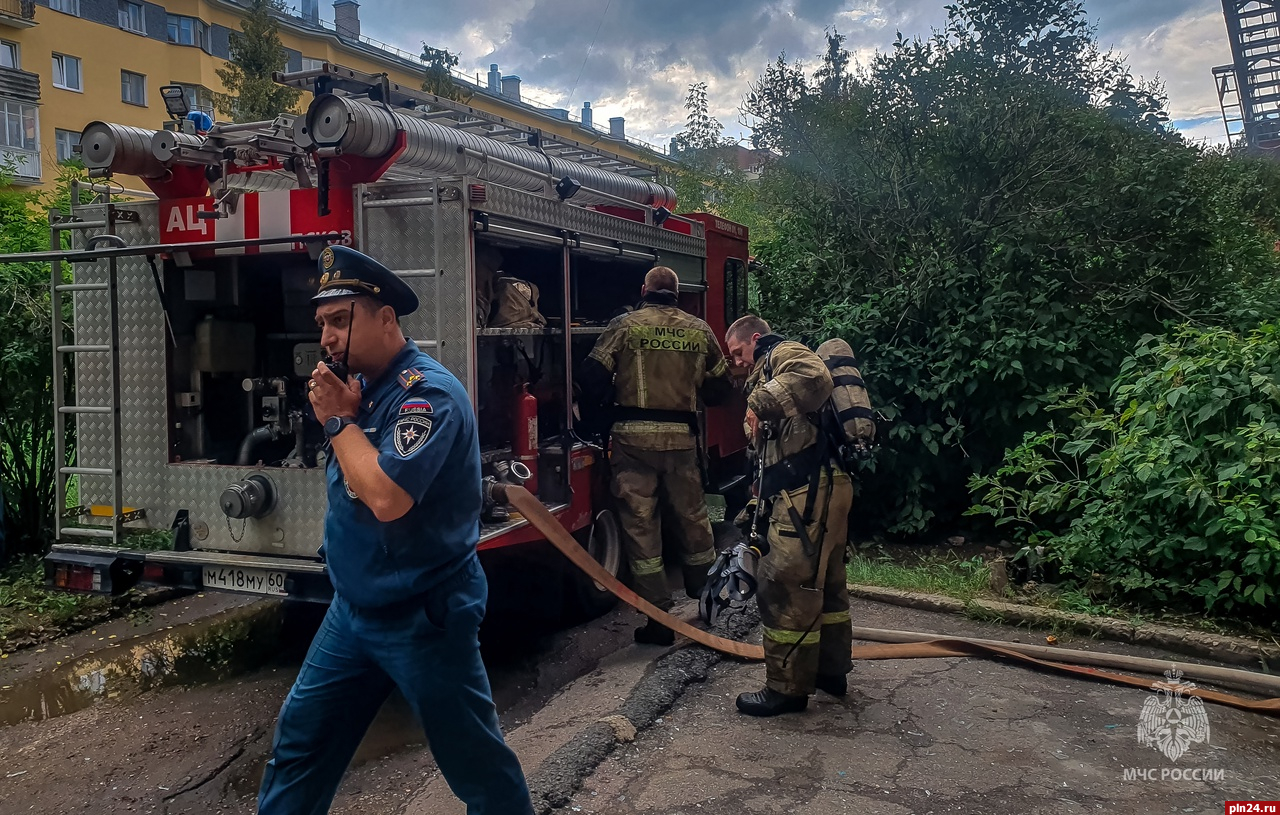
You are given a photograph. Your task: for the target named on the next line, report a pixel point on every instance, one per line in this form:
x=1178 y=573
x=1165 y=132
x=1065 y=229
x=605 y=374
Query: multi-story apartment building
x=65 y=63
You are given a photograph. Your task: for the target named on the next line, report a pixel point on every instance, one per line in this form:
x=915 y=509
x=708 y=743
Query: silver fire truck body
x=194 y=335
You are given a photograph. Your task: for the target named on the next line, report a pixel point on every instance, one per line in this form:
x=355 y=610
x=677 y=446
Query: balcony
x=17 y=13
x=23 y=164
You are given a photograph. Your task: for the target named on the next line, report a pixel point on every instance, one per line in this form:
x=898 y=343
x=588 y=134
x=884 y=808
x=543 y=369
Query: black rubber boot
x=655 y=633
x=834 y=684
x=695 y=578
x=769 y=702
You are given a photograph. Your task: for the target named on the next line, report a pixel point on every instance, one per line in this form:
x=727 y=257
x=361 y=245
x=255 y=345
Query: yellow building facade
x=65 y=63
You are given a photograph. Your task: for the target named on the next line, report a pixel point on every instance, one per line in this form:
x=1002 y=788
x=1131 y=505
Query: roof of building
x=392 y=56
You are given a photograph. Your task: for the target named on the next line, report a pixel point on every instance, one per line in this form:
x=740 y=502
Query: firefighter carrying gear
x=803 y=598
x=653 y=365
x=805 y=612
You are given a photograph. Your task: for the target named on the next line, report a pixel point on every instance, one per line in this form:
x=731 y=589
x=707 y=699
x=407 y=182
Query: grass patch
x=963 y=579
x=969 y=579
x=26 y=606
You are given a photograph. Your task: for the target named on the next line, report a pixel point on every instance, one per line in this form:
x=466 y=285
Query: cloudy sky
x=636 y=59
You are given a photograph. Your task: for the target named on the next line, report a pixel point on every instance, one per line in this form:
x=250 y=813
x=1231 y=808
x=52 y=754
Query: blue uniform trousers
x=431 y=651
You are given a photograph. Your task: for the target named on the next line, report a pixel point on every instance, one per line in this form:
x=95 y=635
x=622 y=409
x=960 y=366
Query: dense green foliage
x=989 y=216
x=256 y=53
x=1169 y=492
x=26 y=402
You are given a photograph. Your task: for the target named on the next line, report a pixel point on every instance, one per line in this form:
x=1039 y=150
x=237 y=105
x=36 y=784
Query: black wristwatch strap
x=344 y=422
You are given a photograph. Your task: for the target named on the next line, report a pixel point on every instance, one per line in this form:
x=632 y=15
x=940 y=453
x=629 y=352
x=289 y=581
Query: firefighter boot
x=695 y=577
x=769 y=702
x=834 y=684
x=655 y=633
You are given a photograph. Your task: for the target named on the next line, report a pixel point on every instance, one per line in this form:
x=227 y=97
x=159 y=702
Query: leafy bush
x=1170 y=494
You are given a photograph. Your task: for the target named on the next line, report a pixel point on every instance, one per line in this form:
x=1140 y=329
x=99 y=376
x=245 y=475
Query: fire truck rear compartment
x=244 y=344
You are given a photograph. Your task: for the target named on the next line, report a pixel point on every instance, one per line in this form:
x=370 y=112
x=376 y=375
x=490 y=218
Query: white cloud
x=1182 y=51
x=643 y=56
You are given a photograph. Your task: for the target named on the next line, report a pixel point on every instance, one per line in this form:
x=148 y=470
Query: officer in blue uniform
x=400 y=541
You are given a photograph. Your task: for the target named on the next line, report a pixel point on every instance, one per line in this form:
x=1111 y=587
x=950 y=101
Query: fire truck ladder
x=379 y=89
x=59 y=226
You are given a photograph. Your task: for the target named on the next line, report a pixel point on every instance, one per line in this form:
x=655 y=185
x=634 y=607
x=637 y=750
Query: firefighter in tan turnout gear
x=660 y=361
x=802 y=595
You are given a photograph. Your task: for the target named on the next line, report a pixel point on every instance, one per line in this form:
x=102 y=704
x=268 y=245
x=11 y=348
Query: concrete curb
x=1205 y=645
x=560 y=775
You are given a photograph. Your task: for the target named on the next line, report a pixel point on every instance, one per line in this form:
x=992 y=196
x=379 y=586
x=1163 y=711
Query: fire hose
x=907 y=645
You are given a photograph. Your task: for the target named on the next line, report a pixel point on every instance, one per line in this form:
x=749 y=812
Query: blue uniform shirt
x=418 y=416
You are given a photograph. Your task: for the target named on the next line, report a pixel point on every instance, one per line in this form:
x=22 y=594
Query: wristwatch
x=337 y=424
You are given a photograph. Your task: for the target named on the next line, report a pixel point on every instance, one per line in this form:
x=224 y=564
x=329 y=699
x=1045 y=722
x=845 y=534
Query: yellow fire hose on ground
x=906 y=645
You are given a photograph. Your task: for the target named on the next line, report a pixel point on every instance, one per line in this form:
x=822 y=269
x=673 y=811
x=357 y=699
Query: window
x=66 y=73
x=186 y=31
x=66 y=6
x=309 y=64
x=198 y=97
x=9 y=55
x=18 y=126
x=133 y=88
x=131 y=17
x=735 y=290
x=65 y=142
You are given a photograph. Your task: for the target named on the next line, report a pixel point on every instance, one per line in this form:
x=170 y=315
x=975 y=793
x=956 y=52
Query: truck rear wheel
x=603 y=541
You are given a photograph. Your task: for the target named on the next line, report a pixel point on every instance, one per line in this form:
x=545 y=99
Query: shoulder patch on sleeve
x=412 y=431
x=410 y=377
x=416 y=406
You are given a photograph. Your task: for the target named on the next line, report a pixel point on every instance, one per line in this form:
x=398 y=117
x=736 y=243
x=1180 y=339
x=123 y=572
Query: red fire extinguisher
x=524 y=436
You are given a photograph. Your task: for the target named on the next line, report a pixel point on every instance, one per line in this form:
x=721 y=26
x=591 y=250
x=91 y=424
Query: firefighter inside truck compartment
x=400 y=536
x=651 y=368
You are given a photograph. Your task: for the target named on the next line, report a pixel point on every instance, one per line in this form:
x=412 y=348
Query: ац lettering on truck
x=194 y=334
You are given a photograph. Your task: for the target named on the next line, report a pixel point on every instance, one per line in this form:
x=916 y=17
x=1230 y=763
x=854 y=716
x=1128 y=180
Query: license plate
x=234 y=578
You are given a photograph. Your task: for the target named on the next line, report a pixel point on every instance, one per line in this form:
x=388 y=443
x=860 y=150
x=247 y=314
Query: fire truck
x=193 y=336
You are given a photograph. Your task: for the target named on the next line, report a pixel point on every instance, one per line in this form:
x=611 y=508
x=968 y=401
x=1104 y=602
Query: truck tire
x=603 y=541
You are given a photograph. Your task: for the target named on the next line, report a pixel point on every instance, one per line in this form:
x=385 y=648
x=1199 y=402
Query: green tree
x=708 y=177
x=988 y=215
x=702 y=130
x=438 y=65
x=27 y=468
x=256 y=53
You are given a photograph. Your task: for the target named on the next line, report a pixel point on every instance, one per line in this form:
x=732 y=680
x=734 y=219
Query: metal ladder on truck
x=64 y=350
